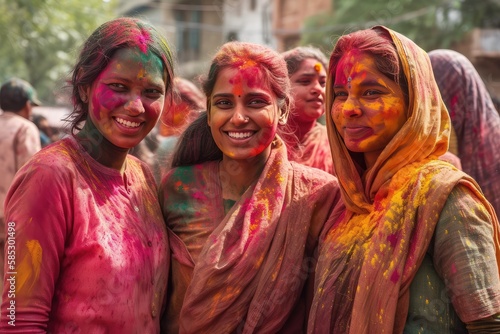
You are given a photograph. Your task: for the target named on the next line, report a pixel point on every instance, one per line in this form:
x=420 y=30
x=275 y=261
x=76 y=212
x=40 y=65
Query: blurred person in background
x=307 y=71
x=48 y=134
x=19 y=139
x=474 y=119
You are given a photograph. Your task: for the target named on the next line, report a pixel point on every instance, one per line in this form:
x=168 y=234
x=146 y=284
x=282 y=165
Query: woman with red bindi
x=91 y=247
x=306 y=137
x=416 y=248
x=243 y=220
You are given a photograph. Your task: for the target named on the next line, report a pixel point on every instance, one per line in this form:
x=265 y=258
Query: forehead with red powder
x=349 y=66
x=252 y=76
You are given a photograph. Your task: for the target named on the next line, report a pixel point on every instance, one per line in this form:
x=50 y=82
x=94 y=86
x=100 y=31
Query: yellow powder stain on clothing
x=28 y=270
x=467 y=242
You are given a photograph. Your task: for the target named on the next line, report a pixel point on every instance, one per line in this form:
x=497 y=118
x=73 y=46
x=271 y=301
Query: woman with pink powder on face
x=91 y=248
x=243 y=220
x=307 y=71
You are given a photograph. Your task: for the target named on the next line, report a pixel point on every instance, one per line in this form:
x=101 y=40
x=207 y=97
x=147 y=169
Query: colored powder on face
x=141 y=74
x=237 y=83
x=251 y=76
x=318 y=67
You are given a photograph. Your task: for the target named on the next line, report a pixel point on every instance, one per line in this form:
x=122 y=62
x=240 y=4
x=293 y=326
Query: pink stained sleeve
x=38 y=212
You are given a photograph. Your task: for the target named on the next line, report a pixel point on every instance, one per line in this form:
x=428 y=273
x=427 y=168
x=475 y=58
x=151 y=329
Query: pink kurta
x=91 y=246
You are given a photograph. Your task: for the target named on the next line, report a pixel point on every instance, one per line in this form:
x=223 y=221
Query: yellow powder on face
x=318 y=67
x=28 y=270
x=141 y=74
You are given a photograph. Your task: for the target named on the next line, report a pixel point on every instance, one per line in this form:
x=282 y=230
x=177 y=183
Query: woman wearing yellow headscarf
x=416 y=248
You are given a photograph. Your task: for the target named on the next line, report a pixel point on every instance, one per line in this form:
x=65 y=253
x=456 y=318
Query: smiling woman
x=243 y=220
x=91 y=245
x=416 y=248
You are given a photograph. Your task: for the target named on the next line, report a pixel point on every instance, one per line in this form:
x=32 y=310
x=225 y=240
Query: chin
x=126 y=145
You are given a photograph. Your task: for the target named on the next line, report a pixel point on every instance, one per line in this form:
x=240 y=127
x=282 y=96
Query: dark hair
x=197 y=144
x=99 y=48
x=37 y=119
x=296 y=56
x=376 y=42
x=203 y=148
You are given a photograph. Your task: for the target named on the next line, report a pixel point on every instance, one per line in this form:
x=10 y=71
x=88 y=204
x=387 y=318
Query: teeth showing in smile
x=240 y=135
x=126 y=123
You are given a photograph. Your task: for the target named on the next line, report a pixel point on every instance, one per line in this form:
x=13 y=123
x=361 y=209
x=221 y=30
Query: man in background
x=19 y=140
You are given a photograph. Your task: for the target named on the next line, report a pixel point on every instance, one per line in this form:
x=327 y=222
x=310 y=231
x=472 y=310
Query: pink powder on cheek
x=105 y=98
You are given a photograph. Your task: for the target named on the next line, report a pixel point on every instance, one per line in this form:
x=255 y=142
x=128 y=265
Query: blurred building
x=289 y=17
x=482 y=47
x=197 y=28
x=249 y=21
x=193 y=28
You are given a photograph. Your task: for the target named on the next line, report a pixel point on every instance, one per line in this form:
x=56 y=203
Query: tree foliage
x=40 y=39
x=430 y=23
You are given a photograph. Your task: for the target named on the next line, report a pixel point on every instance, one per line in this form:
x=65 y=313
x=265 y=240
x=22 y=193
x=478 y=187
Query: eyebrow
x=251 y=94
x=224 y=95
x=366 y=83
x=311 y=74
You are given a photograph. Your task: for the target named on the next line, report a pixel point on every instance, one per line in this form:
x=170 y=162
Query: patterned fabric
x=91 y=246
x=474 y=118
x=315 y=150
x=245 y=270
x=371 y=254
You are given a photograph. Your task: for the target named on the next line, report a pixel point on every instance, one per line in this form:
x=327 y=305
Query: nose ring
x=246 y=118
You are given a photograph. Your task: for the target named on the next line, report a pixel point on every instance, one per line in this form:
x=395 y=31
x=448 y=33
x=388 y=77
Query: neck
x=301 y=128
x=237 y=175
x=101 y=149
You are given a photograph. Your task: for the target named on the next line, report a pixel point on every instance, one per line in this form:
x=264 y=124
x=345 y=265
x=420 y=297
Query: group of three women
x=254 y=242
